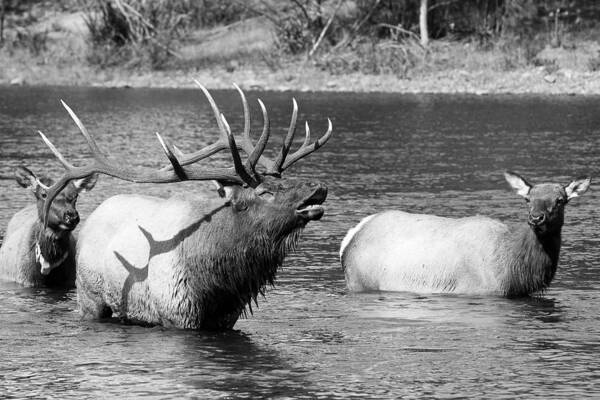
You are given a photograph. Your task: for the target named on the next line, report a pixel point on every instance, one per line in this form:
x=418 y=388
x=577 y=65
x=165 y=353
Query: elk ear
x=225 y=192
x=232 y=193
x=577 y=187
x=86 y=184
x=25 y=178
x=264 y=193
x=220 y=189
x=518 y=183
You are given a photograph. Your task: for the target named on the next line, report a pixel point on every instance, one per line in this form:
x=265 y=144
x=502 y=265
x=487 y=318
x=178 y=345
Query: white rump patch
x=352 y=232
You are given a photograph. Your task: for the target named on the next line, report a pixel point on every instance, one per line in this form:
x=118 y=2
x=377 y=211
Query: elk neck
x=232 y=262
x=533 y=262
x=54 y=244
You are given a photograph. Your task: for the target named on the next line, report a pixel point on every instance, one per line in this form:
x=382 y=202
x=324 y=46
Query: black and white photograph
x=299 y=199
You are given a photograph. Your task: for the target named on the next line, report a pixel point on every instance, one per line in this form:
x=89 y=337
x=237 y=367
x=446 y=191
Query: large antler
x=178 y=172
x=254 y=153
x=283 y=162
x=180 y=168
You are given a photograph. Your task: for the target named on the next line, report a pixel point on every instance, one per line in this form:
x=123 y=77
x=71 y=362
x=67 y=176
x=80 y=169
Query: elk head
x=62 y=216
x=546 y=201
x=253 y=187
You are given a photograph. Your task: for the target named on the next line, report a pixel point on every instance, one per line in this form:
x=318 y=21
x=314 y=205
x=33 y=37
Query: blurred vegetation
x=340 y=36
x=147 y=32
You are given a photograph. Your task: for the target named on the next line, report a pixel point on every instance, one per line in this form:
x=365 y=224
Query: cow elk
x=399 y=251
x=191 y=261
x=36 y=255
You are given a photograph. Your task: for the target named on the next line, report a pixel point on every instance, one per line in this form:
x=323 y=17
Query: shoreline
x=61 y=58
x=533 y=80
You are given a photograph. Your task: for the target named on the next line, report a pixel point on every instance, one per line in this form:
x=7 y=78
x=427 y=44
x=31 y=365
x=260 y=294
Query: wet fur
x=531 y=262
x=182 y=262
x=18 y=259
x=17 y=254
x=400 y=251
x=228 y=279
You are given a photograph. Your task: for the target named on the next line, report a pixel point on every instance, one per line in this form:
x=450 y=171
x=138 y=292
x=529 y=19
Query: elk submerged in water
x=38 y=256
x=399 y=251
x=188 y=261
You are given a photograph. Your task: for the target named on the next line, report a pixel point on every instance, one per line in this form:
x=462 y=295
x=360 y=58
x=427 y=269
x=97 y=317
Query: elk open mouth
x=311 y=208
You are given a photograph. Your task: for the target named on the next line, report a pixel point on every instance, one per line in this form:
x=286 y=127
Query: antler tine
x=307 y=148
x=262 y=142
x=287 y=142
x=170 y=153
x=215 y=109
x=51 y=192
x=246 y=132
x=255 y=152
x=237 y=160
x=178 y=152
x=223 y=142
x=214 y=148
x=307 y=135
x=57 y=153
x=96 y=153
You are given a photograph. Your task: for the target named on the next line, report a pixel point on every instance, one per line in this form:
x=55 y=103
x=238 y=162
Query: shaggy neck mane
x=221 y=274
x=535 y=260
x=54 y=245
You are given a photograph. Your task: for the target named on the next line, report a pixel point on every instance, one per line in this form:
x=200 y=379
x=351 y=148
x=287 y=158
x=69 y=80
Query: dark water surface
x=310 y=338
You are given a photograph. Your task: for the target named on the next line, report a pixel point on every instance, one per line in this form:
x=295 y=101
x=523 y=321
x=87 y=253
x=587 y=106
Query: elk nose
x=537 y=219
x=71 y=218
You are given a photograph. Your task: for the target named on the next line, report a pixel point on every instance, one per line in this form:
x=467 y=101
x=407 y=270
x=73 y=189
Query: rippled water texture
x=310 y=338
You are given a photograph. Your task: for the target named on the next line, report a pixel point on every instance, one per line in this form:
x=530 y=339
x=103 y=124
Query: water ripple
x=310 y=338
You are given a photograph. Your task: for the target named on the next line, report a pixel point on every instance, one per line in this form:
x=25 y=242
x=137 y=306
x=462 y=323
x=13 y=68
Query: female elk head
x=546 y=201
x=62 y=215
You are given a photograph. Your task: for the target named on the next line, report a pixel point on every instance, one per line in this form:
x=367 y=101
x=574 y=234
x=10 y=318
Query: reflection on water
x=309 y=338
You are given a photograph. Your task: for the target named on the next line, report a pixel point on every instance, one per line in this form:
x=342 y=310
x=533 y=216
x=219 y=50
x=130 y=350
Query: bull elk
x=191 y=261
x=34 y=254
x=399 y=251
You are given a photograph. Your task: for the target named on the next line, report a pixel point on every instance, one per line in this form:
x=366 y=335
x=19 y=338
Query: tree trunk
x=423 y=23
x=2 y=12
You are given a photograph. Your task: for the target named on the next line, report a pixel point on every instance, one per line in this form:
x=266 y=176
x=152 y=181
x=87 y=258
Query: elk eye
x=241 y=206
x=266 y=195
x=527 y=200
x=43 y=195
